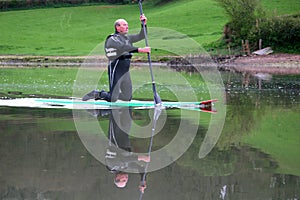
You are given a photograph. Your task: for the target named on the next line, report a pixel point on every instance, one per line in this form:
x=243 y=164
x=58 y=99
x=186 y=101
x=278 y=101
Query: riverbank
x=273 y=63
x=278 y=63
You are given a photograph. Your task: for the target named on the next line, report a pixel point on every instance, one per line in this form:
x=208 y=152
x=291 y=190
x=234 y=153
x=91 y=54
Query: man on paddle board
x=119 y=48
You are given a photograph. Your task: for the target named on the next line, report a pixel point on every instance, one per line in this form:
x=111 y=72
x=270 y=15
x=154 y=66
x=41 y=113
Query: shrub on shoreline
x=279 y=32
x=248 y=21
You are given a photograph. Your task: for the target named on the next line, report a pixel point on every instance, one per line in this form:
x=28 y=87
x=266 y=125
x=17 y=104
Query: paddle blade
x=208 y=106
x=157 y=99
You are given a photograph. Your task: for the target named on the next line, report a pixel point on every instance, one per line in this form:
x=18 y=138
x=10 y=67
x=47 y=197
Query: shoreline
x=273 y=63
x=277 y=63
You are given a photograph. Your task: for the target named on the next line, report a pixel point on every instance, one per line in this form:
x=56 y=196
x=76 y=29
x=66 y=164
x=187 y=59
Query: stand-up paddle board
x=205 y=106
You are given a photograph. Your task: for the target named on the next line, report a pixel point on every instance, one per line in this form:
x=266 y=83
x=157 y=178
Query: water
x=42 y=156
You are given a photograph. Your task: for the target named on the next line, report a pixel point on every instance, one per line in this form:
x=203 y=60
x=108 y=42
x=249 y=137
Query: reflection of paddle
x=157 y=99
x=156 y=114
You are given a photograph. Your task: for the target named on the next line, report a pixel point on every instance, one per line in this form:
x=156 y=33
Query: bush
x=248 y=22
x=242 y=14
x=281 y=32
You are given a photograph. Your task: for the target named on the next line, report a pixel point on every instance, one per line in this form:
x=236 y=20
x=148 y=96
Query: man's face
x=122 y=28
x=121 y=180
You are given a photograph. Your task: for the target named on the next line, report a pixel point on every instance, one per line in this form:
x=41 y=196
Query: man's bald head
x=121 y=26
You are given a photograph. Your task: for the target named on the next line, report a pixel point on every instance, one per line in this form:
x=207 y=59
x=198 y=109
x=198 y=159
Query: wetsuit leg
x=125 y=87
x=124 y=81
x=119 y=127
x=112 y=66
x=120 y=81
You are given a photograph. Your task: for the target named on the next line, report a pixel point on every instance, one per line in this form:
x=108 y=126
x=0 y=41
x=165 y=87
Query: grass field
x=78 y=30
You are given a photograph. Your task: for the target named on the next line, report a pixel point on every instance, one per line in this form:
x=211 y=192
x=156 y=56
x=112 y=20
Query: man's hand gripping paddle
x=157 y=99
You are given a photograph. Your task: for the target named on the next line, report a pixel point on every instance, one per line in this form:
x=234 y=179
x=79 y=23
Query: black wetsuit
x=119 y=157
x=119 y=49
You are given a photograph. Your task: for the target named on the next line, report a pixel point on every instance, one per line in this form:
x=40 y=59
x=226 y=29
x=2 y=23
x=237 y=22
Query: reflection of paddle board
x=206 y=106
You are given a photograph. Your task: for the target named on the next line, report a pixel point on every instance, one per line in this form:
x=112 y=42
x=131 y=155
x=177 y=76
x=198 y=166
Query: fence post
x=247 y=48
x=260 y=44
x=243 y=47
x=229 y=51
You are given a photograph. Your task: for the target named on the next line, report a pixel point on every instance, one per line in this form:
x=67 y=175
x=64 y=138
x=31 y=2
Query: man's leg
x=122 y=87
x=115 y=92
x=122 y=90
x=97 y=95
x=126 y=87
x=119 y=127
x=120 y=83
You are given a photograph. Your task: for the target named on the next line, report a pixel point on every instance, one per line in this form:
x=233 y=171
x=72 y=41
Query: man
x=119 y=48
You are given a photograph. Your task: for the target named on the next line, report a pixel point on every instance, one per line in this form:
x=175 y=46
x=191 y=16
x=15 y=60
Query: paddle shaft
x=156 y=114
x=157 y=99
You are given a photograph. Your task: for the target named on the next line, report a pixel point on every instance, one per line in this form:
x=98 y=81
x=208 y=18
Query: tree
x=243 y=15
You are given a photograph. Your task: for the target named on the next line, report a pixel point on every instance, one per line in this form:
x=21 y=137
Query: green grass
x=78 y=30
x=41 y=81
x=281 y=7
x=62 y=81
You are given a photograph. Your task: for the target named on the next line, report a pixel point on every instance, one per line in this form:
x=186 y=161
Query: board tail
x=208 y=106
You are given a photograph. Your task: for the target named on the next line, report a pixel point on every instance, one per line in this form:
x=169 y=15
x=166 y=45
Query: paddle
x=156 y=114
x=157 y=99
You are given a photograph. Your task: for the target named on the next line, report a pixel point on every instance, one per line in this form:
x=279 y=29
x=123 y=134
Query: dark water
x=256 y=157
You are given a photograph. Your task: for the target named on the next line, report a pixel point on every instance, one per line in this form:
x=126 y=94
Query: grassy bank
x=62 y=81
x=78 y=30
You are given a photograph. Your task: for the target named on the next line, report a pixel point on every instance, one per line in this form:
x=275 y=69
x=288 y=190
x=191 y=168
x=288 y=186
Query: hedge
x=280 y=32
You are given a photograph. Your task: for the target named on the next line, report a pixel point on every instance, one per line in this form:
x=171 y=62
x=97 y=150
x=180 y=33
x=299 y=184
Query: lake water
x=44 y=156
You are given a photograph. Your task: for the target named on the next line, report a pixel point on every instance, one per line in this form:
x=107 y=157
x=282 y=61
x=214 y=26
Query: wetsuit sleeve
x=115 y=47
x=116 y=43
x=130 y=159
x=137 y=37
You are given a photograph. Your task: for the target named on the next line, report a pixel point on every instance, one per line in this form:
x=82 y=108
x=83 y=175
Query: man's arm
x=138 y=37
x=143 y=184
x=116 y=43
x=114 y=48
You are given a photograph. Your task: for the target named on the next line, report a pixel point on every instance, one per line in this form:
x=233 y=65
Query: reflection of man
x=119 y=48
x=119 y=157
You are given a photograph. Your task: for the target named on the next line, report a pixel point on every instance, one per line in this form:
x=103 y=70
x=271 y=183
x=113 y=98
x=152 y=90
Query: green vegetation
x=78 y=30
x=30 y=4
x=278 y=32
x=266 y=125
x=278 y=7
x=60 y=82
x=242 y=15
x=277 y=135
x=249 y=21
x=39 y=81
